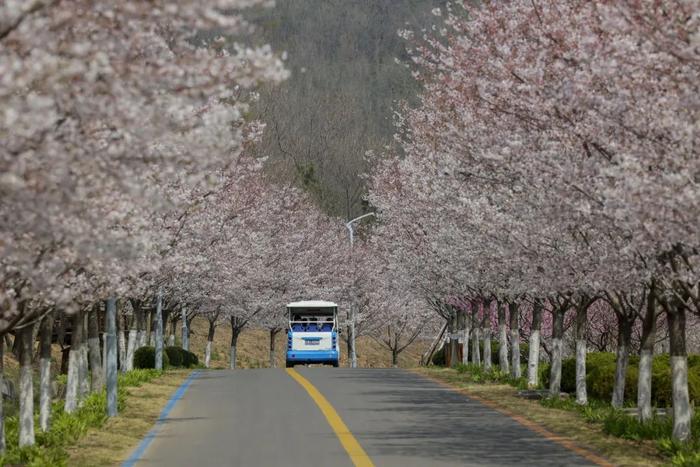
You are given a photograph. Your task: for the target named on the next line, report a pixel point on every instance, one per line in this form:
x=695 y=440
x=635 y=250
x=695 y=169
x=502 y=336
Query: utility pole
x=353 y=305
x=159 y=330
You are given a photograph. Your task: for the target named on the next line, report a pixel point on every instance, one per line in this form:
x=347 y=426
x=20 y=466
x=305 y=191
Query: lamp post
x=351 y=333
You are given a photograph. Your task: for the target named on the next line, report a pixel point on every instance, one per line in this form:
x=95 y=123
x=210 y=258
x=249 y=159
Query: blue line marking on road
x=136 y=455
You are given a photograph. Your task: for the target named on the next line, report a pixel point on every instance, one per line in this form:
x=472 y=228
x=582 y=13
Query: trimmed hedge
x=600 y=377
x=180 y=357
x=145 y=357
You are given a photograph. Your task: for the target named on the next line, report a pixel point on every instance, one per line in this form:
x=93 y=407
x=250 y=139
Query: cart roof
x=312 y=304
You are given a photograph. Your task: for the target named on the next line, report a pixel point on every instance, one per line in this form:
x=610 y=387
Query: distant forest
x=344 y=87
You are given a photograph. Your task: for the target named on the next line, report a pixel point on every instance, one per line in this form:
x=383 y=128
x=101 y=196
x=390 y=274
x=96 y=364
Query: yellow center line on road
x=358 y=455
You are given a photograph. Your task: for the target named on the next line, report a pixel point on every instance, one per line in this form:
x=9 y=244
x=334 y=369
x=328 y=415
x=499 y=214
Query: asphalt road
x=266 y=418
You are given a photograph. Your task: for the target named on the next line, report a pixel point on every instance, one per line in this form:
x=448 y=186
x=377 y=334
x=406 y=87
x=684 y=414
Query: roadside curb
x=177 y=395
x=529 y=424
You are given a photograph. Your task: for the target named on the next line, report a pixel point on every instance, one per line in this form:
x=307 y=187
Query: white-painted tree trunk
x=232 y=363
x=207 y=354
x=644 y=408
x=72 y=380
x=130 y=349
x=581 y=350
x=503 y=348
x=515 y=370
x=476 y=353
x=26 y=388
x=2 y=387
x=514 y=312
x=158 y=331
x=621 y=363
x=555 y=374
x=185 y=330
x=533 y=359
x=74 y=363
x=581 y=392
x=122 y=350
x=171 y=340
x=682 y=412
x=465 y=346
x=111 y=367
x=94 y=354
x=646 y=357
x=487 y=348
x=84 y=381
x=45 y=394
x=555 y=370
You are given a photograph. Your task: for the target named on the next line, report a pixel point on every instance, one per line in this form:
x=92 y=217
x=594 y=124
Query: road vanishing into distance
x=326 y=417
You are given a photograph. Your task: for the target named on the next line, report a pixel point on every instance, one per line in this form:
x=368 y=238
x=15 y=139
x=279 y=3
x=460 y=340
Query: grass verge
x=570 y=424
x=56 y=446
x=112 y=442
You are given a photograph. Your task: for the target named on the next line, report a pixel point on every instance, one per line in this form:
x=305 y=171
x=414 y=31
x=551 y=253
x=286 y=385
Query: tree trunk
x=273 y=335
x=84 y=368
x=646 y=357
x=140 y=318
x=26 y=387
x=515 y=370
x=557 y=334
x=157 y=331
x=533 y=359
x=72 y=382
x=235 y=331
x=210 y=340
x=121 y=332
x=581 y=325
x=111 y=366
x=131 y=343
x=173 y=330
x=466 y=327
x=624 y=336
x=476 y=353
x=96 y=368
x=185 y=329
x=682 y=412
x=45 y=373
x=2 y=388
x=453 y=342
x=502 y=339
x=486 y=326
x=394 y=357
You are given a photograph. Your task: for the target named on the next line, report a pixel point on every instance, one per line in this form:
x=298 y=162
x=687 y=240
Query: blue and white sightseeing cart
x=312 y=336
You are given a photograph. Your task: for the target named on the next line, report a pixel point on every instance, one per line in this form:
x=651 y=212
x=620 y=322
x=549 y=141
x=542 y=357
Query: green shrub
x=189 y=359
x=176 y=355
x=145 y=357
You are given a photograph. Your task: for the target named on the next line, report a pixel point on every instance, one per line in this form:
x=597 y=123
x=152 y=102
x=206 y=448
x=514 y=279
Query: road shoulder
x=567 y=427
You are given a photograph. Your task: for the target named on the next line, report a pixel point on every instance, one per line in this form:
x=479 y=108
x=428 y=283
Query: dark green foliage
x=176 y=356
x=145 y=358
x=190 y=359
x=600 y=377
x=439 y=356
